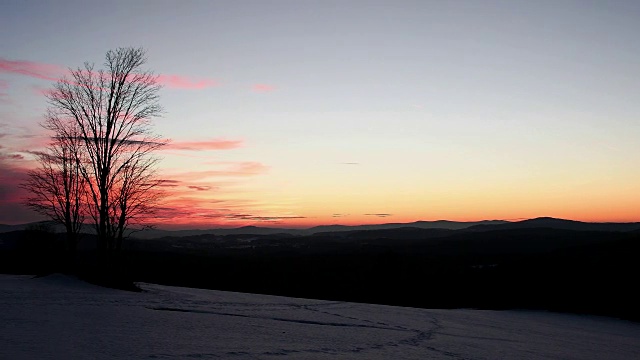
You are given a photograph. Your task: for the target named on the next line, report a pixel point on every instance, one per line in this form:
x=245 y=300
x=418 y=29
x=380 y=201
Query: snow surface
x=59 y=317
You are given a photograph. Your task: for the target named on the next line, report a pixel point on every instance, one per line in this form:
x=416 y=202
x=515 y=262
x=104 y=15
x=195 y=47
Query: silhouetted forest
x=593 y=272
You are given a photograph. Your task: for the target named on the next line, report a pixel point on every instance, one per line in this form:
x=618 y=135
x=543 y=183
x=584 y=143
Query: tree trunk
x=72 y=250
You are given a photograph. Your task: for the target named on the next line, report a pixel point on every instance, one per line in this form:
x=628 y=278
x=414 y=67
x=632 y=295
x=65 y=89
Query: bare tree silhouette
x=105 y=116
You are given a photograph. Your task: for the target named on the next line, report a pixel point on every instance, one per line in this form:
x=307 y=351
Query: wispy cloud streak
x=262 y=88
x=183 y=82
x=262 y=218
x=231 y=169
x=214 y=144
x=52 y=72
x=169 y=183
x=200 y=187
x=32 y=69
x=199 y=210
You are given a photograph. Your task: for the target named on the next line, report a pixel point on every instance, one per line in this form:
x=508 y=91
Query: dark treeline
x=590 y=272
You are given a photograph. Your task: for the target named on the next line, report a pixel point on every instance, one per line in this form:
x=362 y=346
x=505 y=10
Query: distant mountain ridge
x=256 y=230
x=555 y=223
x=475 y=226
x=437 y=224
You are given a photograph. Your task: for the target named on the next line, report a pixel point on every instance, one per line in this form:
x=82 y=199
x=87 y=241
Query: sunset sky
x=299 y=113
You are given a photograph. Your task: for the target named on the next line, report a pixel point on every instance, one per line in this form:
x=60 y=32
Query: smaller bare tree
x=56 y=188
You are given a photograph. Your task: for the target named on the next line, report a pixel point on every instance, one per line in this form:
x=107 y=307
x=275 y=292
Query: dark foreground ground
x=591 y=272
x=60 y=317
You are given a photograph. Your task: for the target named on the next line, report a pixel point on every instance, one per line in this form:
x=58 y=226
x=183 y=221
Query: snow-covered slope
x=58 y=317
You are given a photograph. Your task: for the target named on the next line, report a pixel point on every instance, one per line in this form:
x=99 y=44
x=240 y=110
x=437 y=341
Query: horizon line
x=179 y=227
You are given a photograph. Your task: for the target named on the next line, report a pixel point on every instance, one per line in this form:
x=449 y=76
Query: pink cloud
x=182 y=184
x=54 y=73
x=246 y=168
x=185 y=209
x=214 y=144
x=182 y=82
x=196 y=211
x=232 y=169
x=262 y=88
x=188 y=211
x=18 y=141
x=275 y=219
x=12 y=156
x=200 y=187
x=32 y=69
x=169 y=183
